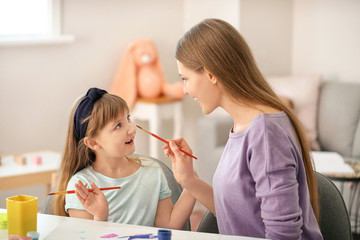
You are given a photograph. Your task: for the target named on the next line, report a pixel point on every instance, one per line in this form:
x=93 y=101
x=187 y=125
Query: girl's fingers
x=95 y=188
x=82 y=200
x=81 y=189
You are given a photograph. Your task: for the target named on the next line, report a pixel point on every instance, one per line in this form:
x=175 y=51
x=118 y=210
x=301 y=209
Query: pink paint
x=25 y=238
x=14 y=237
x=112 y=235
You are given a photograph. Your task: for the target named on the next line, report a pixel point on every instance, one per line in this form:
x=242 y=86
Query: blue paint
x=164 y=234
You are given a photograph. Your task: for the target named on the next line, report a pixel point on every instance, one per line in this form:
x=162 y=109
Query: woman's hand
x=182 y=164
x=94 y=202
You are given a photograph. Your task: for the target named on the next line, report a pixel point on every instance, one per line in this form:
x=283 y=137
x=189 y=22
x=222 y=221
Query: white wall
x=196 y=11
x=40 y=83
x=267 y=27
x=326 y=39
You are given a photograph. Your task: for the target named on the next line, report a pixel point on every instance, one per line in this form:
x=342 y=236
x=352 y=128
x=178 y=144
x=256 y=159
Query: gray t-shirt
x=137 y=200
x=260 y=187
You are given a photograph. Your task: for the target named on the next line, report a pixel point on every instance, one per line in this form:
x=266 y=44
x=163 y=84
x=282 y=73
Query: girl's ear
x=91 y=143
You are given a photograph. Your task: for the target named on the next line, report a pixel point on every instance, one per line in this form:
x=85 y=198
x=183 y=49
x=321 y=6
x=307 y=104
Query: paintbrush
x=163 y=140
x=90 y=190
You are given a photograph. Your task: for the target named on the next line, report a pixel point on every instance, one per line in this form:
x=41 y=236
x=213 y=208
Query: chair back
x=334 y=219
x=208 y=223
x=174 y=186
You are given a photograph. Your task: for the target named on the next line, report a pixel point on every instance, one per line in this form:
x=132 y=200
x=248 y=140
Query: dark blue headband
x=84 y=110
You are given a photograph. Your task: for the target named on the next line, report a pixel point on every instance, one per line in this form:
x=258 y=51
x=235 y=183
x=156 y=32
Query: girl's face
x=116 y=139
x=203 y=87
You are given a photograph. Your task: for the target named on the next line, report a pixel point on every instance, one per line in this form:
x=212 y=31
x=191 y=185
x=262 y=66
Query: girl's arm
x=75 y=213
x=174 y=217
x=95 y=203
x=185 y=175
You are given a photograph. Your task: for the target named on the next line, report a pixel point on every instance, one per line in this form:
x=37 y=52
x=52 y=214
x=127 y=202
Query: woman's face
x=202 y=87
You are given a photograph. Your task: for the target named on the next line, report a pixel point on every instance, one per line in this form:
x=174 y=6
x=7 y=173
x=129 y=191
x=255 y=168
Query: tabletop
x=30 y=173
x=53 y=227
x=50 y=161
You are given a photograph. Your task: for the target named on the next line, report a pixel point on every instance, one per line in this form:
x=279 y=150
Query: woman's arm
x=185 y=175
x=174 y=217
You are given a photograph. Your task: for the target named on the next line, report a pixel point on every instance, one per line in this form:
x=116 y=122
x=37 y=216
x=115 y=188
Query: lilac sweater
x=260 y=187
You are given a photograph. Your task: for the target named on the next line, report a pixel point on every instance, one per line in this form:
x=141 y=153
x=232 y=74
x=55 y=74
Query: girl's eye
x=118 y=126
x=128 y=118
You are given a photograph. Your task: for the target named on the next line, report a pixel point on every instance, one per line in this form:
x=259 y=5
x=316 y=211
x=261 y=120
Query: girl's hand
x=182 y=164
x=94 y=202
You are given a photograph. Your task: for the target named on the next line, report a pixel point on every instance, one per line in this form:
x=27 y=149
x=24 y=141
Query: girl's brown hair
x=76 y=154
x=217 y=46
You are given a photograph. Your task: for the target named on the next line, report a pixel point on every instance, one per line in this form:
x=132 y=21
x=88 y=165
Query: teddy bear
x=140 y=74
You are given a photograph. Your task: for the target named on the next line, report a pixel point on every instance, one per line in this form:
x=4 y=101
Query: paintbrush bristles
x=167 y=142
x=144 y=129
x=55 y=193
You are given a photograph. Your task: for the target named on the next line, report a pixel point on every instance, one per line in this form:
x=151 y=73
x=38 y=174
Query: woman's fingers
x=174 y=149
x=180 y=143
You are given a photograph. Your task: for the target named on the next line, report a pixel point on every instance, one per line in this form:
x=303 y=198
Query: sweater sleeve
x=273 y=162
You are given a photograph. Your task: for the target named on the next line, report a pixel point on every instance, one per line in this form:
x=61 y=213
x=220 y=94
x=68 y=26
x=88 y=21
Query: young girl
x=264 y=185
x=99 y=142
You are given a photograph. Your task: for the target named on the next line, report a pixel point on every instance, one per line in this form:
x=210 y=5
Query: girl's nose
x=185 y=85
x=132 y=128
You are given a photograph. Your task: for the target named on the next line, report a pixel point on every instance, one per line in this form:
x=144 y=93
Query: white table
x=16 y=176
x=53 y=227
x=155 y=111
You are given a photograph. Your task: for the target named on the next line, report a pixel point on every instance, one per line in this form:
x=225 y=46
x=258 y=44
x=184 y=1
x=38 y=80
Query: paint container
x=36 y=160
x=3 y=221
x=14 y=237
x=22 y=214
x=19 y=159
x=25 y=238
x=164 y=234
x=33 y=235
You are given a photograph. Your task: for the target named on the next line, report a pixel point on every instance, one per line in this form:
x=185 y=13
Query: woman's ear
x=91 y=143
x=211 y=76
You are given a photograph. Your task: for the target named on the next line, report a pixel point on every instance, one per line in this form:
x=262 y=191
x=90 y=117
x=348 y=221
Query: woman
x=264 y=185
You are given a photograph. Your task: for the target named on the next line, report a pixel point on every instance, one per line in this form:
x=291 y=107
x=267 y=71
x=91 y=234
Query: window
x=30 y=21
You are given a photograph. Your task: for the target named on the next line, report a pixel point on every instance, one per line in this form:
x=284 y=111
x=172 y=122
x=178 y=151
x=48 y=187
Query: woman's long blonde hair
x=76 y=154
x=220 y=48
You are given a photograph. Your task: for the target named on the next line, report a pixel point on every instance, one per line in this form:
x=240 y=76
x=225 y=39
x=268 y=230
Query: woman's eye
x=129 y=118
